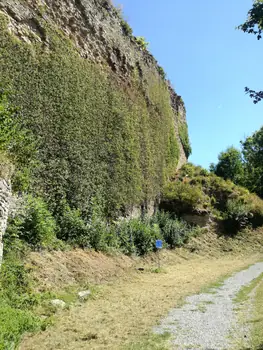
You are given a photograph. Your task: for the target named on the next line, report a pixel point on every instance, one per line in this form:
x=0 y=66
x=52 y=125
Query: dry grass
x=257 y=320
x=125 y=311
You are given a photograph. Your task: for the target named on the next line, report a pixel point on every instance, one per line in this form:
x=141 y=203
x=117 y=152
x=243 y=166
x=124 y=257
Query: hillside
x=106 y=124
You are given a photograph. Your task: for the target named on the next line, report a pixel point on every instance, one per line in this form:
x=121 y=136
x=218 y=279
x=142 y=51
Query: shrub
x=142 y=42
x=161 y=72
x=16 y=302
x=127 y=30
x=174 y=231
x=182 y=197
x=137 y=236
x=237 y=215
x=34 y=224
x=72 y=227
x=13 y=323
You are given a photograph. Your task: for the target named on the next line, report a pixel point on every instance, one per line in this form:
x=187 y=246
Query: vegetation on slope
x=184 y=137
x=195 y=190
x=243 y=167
x=97 y=140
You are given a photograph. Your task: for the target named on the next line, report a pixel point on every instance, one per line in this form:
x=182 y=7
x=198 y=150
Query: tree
x=229 y=166
x=254 y=25
x=253 y=161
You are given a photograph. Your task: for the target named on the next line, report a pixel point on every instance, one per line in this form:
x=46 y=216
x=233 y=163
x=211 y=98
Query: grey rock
x=60 y=304
x=84 y=295
x=5 y=197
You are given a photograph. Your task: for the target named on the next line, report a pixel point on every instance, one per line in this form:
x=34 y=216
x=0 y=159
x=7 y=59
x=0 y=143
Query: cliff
x=108 y=127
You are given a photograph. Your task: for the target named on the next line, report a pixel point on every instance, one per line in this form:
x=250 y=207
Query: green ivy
x=183 y=133
x=93 y=135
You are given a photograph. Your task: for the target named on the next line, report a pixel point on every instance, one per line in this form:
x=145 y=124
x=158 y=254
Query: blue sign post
x=159 y=246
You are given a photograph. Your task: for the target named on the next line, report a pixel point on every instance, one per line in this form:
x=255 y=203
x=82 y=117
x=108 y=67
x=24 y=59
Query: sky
x=209 y=63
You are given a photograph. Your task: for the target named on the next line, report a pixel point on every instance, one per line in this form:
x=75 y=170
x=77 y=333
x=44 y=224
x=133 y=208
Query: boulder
x=84 y=295
x=59 y=304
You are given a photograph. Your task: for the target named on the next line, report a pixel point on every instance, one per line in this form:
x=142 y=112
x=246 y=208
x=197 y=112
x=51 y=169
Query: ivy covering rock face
x=96 y=137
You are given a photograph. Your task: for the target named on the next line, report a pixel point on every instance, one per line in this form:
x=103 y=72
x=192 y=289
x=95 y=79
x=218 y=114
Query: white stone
x=60 y=304
x=84 y=294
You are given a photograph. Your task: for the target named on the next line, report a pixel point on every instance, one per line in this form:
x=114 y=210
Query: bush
x=127 y=30
x=16 y=302
x=13 y=323
x=72 y=227
x=161 y=72
x=137 y=236
x=237 y=216
x=180 y=197
x=34 y=224
x=142 y=42
x=174 y=231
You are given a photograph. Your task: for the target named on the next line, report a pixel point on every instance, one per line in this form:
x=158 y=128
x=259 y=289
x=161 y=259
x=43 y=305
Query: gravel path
x=208 y=321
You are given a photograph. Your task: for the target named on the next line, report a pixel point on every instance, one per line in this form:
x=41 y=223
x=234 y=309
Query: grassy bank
x=123 y=313
x=257 y=320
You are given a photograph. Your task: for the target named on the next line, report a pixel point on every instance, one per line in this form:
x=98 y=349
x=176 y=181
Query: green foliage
x=230 y=165
x=16 y=303
x=254 y=25
x=183 y=197
x=13 y=324
x=127 y=30
x=175 y=232
x=254 y=22
x=245 y=167
x=137 y=236
x=253 y=162
x=72 y=227
x=162 y=72
x=34 y=224
x=194 y=189
x=141 y=41
x=16 y=144
x=92 y=134
x=237 y=216
x=184 y=137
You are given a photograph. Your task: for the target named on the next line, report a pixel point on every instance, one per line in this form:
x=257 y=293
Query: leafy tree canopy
x=230 y=165
x=254 y=25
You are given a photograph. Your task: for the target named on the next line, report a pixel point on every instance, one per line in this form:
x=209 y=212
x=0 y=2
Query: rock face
x=99 y=34
x=5 y=197
x=121 y=135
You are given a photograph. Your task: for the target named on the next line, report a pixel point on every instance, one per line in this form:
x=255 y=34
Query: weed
x=142 y=42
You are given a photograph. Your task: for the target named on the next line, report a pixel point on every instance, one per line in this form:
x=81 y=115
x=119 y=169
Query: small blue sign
x=159 y=244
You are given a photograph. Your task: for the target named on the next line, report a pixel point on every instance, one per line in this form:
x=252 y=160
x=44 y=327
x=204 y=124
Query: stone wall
x=98 y=32
x=5 y=197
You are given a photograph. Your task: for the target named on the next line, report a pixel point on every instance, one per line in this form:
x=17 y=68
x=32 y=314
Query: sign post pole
x=159 y=246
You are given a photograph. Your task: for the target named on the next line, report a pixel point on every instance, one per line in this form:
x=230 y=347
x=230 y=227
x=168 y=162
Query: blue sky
x=209 y=63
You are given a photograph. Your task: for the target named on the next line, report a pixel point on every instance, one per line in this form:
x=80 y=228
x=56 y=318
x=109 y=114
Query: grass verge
x=257 y=320
x=122 y=316
x=244 y=293
x=151 y=342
